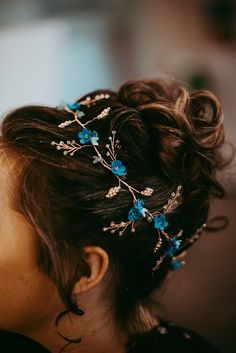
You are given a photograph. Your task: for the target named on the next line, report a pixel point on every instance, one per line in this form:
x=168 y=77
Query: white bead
x=163 y=330
x=186 y=335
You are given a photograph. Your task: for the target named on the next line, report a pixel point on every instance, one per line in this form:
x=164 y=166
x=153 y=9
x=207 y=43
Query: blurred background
x=56 y=50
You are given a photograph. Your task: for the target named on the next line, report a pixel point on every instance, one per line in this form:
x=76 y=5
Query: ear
x=98 y=261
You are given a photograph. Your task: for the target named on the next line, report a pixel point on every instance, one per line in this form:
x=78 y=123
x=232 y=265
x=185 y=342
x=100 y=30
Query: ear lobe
x=98 y=261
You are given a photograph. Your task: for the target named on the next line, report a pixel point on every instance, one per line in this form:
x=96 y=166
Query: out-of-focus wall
x=175 y=37
x=52 y=60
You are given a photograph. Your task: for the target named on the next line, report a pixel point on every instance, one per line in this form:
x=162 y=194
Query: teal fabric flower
x=137 y=211
x=86 y=135
x=134 y=214
x=118 y=168
x=175 y=265
x=174 y=247
x=160 y=222
x=138 y=205
x=74 y=106
x=94 y=137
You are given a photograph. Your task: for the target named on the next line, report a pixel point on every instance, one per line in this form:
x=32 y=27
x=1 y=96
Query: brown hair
x=169 y=136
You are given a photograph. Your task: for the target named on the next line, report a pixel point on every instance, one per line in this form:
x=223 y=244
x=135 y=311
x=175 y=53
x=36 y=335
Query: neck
x=96 y=329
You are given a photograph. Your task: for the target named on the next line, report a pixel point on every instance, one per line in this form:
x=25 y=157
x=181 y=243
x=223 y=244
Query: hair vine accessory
x=176 y=261
x=88 y=138
x=86 y=135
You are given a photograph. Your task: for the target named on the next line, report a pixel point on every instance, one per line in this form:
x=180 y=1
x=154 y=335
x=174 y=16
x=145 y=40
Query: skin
x=29 y=299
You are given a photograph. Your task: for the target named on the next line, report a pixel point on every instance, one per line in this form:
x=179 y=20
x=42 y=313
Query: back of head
x=168 y=135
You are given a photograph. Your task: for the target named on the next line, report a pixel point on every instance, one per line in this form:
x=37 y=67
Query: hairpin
x=88 y=138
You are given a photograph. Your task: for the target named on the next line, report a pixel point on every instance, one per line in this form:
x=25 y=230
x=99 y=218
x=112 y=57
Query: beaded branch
x=88 y=138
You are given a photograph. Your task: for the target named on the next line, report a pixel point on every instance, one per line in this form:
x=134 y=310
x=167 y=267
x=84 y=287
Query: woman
x=100 y=200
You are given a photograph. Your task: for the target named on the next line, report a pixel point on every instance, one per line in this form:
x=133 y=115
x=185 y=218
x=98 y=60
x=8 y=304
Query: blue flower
x=94 y=137
x=139 y=204
x=74 y=106
x=118 y=168
x=137 y=211
x=86 y=135
x=134 y=214
x=160 y=222
x=174 y=247
x=175 y=265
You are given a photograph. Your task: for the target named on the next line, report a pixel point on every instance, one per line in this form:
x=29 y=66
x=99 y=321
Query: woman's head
x=169 y=137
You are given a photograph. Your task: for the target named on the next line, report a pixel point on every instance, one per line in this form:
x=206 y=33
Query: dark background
x=55 y=50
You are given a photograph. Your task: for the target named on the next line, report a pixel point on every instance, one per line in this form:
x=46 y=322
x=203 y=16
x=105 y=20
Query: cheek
x=28 y=297
x=27 y=300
